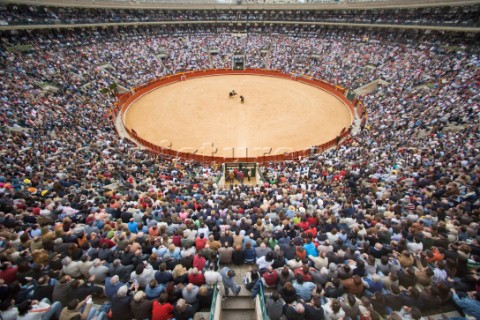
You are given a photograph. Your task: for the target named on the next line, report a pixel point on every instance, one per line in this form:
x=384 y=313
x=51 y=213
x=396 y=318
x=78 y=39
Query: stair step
x=244 y=292
x=243 y=303
x=238 y=315
x=201 y=315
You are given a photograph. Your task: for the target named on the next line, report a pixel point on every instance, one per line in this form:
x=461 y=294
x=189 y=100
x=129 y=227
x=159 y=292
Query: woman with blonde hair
x=180 y=274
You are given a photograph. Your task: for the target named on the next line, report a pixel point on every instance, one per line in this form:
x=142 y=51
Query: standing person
x=228 y=276
x=240 y=176
x=242 y=99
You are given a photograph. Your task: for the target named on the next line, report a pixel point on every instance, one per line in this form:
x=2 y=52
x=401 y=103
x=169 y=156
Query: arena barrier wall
x=125 y=100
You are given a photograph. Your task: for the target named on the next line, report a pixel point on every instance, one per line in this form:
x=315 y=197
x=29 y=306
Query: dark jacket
x=185 y=315
x=291 y=314
x=141 y=309
x=312 y=313
x=61 y=293
x=121 y=308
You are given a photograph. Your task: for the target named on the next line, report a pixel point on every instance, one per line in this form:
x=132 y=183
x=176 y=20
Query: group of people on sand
x=232 y=94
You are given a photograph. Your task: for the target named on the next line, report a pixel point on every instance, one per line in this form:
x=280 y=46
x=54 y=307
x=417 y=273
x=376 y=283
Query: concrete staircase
x=252 y=182
x=241 y=307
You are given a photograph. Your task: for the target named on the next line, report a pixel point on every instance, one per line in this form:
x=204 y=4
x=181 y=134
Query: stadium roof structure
x=247 y=4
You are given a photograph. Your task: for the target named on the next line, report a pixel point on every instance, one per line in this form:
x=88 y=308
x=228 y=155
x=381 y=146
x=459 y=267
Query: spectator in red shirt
x=161 y=309
x=270 y=278
x=199 y=261
x=8 y=272
x=312 y=231
x=304 y=271
x=200 y=242
x=195 y=277
x=303 y=224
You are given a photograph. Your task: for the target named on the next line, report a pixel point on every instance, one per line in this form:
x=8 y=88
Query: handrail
x=125 y=100
x=214 y=302
x=263 y=306
x=260 y=175
x=221 y=175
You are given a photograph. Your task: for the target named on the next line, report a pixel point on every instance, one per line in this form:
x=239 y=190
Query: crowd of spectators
x=449 y=16
x=385 y=225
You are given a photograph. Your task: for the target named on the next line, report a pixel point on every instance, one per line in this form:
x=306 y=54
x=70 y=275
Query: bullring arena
x=282 y=114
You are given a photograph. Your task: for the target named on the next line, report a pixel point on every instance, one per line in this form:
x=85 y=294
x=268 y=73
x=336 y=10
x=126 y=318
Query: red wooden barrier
x=125 y=100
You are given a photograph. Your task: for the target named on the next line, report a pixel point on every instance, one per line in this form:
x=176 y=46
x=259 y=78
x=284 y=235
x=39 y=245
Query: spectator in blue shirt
x=303 y=288
x=133 y=226
x=310 y=248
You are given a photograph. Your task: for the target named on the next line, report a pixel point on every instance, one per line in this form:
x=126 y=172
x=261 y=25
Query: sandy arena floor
x=197 y=114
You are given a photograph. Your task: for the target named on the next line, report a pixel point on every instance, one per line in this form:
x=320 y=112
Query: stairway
x=241 y=307
x=252 y=182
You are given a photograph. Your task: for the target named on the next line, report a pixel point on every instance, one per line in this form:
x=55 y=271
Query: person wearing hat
x=141 y=307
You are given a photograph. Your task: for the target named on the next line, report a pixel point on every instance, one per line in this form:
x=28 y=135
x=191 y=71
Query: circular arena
x=345 y=186
x=281 y=115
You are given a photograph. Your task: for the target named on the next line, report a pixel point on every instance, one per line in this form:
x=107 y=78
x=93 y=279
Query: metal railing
x=221 y=176
x=214 y=303
x=263 y=306
x=259 y=174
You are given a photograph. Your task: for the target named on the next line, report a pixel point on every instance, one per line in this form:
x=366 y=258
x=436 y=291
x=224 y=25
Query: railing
x=216 y=307
x=214 y=302
x=221 y=177
x=125 y=100
x=261 y=302
x=260 y=176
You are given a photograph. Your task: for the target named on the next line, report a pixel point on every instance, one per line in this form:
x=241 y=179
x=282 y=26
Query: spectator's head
x=203 y=290
x=299 y=278
x=269 y=256
x=122 y=291
x=139 y=296
x=299 y=308
x=6 y=304
x=163 y=298
x=72 y=305
x=140 y=268
x=24 y=307
x=181 y=305
x=114 y=280
x=275 y=295
x=395 y=290
x=66 y=261
x=351 y=299
x=162 y=267
x=415 y=313
x=335 y=304
x=97 y=263
x=152 y=283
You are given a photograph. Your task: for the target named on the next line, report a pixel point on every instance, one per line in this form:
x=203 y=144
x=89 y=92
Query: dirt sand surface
x=197 y=116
